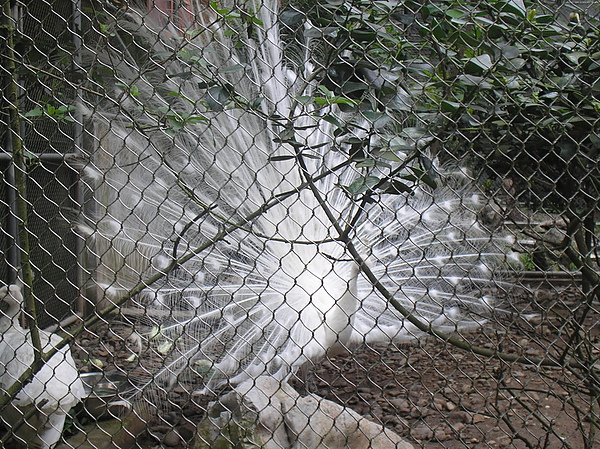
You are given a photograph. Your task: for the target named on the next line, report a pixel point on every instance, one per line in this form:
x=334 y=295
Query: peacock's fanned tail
x=195 y=160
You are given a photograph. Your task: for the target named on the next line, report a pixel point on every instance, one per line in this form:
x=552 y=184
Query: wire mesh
x=300 y=224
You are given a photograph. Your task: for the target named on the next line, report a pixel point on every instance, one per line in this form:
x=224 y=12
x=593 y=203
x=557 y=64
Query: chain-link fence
x=295 y=224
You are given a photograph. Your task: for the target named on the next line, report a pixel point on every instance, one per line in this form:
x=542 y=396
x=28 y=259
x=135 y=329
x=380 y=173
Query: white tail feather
x=281 y=289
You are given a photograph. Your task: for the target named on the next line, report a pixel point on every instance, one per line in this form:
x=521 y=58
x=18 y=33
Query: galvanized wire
x=165 y=173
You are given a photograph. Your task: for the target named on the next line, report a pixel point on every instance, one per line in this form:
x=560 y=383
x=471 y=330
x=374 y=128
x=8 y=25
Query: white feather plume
x=282 y=289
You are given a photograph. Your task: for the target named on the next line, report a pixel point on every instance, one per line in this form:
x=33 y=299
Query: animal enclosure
x=294 y=224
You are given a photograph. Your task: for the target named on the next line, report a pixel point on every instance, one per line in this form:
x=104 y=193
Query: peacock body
x=207 y=167
x=54 y=390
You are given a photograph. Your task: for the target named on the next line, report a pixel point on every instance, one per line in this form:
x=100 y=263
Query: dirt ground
x=432 y=394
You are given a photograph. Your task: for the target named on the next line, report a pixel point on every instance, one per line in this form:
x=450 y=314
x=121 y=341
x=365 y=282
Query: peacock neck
x=10 y=318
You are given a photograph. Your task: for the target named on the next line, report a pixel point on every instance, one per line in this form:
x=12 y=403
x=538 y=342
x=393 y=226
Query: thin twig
x=540 y=418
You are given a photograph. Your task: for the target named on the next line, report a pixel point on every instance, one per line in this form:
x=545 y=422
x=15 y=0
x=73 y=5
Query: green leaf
x=36 y=112
x=515 y=64
x=235 y=68
x=450 y=106
x=424 y=177
x=333 y=120
x=342 y=101
x=370 y=163
x=165 y=347
x=363 y=35
x=478 y=64
x=576 y=56
x=310 y=155
x=396 y=187
x=255 y=104
x=455 y=13
x=194 y=119
x=510 y=51
x=515 y=8
x=217 y=97
x=155 y=333
x=352 y=87
x=105 y=29
x=377 y=119
x=205 y=84
x=415 y=133
x=437 y=30
x=315 y=147
x=286 y=157
x=366 y=163
x=411 y=178
x=462 y=38
x=475 y=81
x=292 y=18
x=287 y=134
x=389 y=156
x=362 y=184
x=304 y=99
x=60 y=113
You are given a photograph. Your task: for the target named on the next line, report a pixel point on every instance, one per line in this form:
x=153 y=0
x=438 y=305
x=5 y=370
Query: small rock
x=394 y=392
x=477 y=418
x=422 y=433
x=390 y=419
x=440 y=403
x=186 y=434
x=504 y=441
x=417 y=412
x=457 y=427
x=413 y=359
x=401 y=405
x=459 y=417
x=171 y=439
x=395 y=421
x=441 y=435
x=533 y=351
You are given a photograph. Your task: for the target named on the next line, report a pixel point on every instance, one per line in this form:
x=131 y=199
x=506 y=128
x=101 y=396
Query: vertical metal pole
x=12 y=253
x=78 y=141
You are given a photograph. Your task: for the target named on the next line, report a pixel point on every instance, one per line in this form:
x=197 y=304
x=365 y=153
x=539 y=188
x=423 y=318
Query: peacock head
x=11 y=295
